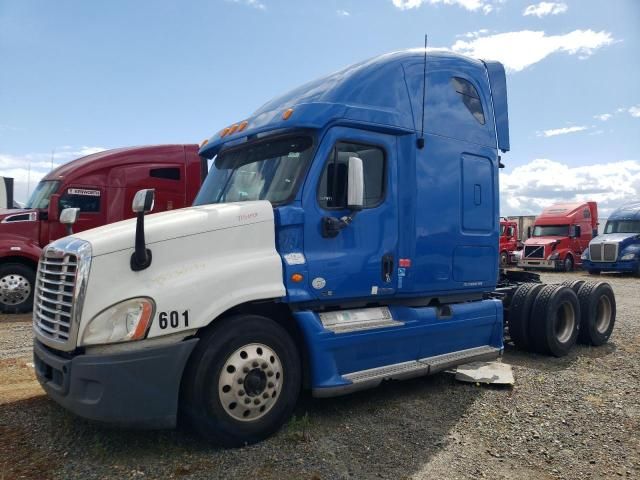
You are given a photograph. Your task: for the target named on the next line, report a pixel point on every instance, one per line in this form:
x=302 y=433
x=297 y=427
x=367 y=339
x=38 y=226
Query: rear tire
x=598 y=317
x=17 y=284
x=242 y=381
x=520 y=313
x=555 y=320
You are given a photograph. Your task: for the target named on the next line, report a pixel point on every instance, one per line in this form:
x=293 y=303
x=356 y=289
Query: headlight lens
x=122 y=322
x=585 y=255
x=554 y=255
x=628 y=256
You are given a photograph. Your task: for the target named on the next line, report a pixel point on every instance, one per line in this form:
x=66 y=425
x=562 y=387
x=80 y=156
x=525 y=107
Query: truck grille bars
x=604 y=252
x=534 y=251
x=59 y=291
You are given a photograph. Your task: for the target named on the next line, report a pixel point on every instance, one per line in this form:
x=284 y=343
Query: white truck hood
x=183 y=222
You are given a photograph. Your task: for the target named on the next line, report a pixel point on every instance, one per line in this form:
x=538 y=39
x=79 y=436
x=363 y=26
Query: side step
x=425 y=366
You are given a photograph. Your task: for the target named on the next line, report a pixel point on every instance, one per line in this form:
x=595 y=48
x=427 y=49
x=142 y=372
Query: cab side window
x=332 y=191
x=470 y=98
x=87 y=200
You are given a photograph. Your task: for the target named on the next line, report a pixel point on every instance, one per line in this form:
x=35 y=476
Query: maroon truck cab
x=559 y=236
x=102 y=186
x=509 y=241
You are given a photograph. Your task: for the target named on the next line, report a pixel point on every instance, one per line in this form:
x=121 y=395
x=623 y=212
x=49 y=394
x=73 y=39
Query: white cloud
x=343 y=13
x=28 y=169
x=251 y=3
x=486 y=6
x=561 y=131
x=603 y=116
x=545 y=8
x=634 y=111
x=531 y=187
x=519 y=50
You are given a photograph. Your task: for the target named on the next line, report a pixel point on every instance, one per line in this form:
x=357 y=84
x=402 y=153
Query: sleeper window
x=470 y=98
x=332 y=191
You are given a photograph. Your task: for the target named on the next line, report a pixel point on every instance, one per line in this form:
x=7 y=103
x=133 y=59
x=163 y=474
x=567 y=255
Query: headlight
x=628 y=256
x=554 y=256
x=122 y=322
x=585 y=255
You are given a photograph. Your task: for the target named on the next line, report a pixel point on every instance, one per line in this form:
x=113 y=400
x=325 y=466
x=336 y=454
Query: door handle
x=387 y=267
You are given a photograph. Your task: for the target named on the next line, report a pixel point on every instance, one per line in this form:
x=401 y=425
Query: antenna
x=420 y=141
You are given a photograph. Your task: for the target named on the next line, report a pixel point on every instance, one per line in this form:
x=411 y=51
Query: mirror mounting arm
x=331 y=226
x=141 y=257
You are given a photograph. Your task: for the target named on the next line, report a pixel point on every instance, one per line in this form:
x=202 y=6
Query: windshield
x=551 y=231
x=622 y=226
x=40 y=196
x=268 y=170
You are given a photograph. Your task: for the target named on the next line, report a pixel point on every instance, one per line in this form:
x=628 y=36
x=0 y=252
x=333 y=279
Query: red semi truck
x=559 y=236
x=102 y=186
x=509 y=241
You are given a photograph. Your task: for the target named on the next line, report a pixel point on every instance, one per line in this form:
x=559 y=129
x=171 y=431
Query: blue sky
x=78 y=76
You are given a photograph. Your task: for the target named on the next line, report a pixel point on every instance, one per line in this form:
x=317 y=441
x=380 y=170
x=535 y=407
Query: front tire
x=504 y=259
x=242 y=382
x=568 y=264
x=17 y=283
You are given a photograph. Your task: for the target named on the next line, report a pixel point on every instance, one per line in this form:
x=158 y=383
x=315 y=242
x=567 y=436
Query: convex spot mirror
x=355 y=185
x=69 y=216
x=143 y=201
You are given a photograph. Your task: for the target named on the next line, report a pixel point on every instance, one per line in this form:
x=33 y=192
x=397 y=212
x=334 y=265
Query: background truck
x=102 y=186
x=6 y=192
x=559 y=236
x=618 y=248
x=509 y=241
x=346 y=234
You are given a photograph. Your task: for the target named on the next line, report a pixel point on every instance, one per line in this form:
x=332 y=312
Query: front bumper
x=138 y=388
x=540 y=263
x=626 y=266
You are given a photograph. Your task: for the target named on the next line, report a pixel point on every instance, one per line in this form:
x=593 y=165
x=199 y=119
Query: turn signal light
x=287 y=113
x=204 y=142
x=297 y=278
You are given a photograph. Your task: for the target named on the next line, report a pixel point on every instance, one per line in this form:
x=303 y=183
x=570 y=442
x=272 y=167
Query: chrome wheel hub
x=250 y=382
x=565 y=322
x=14 y=289
x=603 y=314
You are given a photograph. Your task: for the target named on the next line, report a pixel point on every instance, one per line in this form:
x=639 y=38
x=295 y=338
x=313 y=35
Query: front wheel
x=568 y=264
x=504 y=259
x=242 y=382
x=16 y=288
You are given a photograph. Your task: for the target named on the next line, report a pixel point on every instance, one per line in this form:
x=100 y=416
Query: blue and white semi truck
x=346 y=234
x=618 y=248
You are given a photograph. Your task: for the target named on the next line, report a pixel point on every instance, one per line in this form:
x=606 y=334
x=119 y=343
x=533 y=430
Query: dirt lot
x=575 y=417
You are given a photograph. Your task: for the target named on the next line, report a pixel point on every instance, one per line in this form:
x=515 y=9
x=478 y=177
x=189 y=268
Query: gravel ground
x=574 y=417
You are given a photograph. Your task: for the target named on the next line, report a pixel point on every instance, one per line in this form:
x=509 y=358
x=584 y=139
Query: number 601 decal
x=173 y=319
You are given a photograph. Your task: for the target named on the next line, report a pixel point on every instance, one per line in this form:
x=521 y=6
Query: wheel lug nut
x=247 y=400
x=255 y=364
x=240 y=381
x=269 y=373
x=257 y=401
x=245 y=369
x=270 y=385
x=264 y=366
x=241 y=392
x=265 y=395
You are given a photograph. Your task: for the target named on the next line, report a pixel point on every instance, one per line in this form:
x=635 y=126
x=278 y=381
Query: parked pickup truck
x=346 y=234
x=618 y=249
x=102 y=186
x=559 y=236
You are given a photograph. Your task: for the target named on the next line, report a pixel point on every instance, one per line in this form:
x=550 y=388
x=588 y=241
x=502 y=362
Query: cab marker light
x=204 y=142
x=232 y=129
x=242 y=126
x=224 y=132
x=287 y=113
x=297 y=278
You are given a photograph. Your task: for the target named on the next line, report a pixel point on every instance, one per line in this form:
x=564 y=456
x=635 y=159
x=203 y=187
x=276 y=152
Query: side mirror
x=528 y=232
x=68 y=217
x=574 y=231
x=355 y=184
x=54 y=210
x=143 y=201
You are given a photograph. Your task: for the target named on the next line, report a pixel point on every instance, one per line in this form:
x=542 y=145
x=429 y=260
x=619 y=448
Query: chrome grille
x=610 y=252
x=61 y=282
x=534 y=251
x=603 y=252
x=55 y=285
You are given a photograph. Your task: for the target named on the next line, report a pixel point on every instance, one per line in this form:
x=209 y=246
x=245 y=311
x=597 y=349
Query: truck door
x=361 y=260
x=90 y=201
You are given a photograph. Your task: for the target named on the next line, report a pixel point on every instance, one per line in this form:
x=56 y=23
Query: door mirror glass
x=355 y=185
x=53 y=209
x=143 y=201
x=69 y=216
